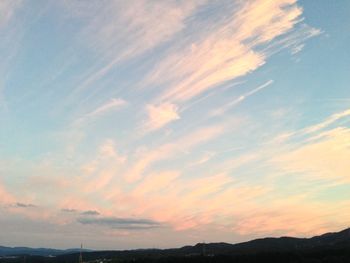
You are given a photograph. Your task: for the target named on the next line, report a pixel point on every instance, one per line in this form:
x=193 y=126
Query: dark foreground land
x=330 y=247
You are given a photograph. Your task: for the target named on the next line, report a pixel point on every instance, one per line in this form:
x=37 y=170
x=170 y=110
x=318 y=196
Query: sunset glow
x=133 y=124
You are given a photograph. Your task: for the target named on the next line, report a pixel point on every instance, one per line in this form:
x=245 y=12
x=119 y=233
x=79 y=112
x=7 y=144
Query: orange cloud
x=166 y=151
x=327 y=157
x=5 y=197
x=332 y=119
x=160 y=115
x=225 y=54
x=149 y=24
x=304 y=218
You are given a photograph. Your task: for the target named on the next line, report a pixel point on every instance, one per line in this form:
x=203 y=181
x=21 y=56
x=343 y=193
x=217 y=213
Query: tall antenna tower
x=81 y=254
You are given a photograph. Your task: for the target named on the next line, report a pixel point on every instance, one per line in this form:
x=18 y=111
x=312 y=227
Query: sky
x=135 y=124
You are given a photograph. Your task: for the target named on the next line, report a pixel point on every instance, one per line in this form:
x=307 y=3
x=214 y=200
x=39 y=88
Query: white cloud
x=121 y=30
x=240 y=99
x=297 y=49
x=160 y=115
x=329 y=121
x=231 y=50
x=111 y=105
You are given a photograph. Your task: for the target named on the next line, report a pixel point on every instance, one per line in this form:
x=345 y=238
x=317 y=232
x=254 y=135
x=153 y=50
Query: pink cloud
x=160 y=115
x=5 y=197
x=326 y=157
x=225 y=54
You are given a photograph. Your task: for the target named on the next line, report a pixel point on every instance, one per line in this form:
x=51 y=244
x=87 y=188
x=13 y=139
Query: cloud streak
x=90 y=213
x=132 y=105
x=240 y=99
x=112 y=105
x=149 y=24
x=225 y=54
x=121 y=223
x=326 y=157
x=23 y=205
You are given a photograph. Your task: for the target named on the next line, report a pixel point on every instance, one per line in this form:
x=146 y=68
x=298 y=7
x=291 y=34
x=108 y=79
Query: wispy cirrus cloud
x=112 y=105
x=149 y=24
x=101 y=170
x=326 y=157
x=173 y=62
x=220 y=54
x=329 y=121
x=148 y=158
x=294 y=40
x=240 y=99
x=225 y=54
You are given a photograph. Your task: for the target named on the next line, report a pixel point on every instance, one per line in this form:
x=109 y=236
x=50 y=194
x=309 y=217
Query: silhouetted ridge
x=12 y=251
x=326 y=247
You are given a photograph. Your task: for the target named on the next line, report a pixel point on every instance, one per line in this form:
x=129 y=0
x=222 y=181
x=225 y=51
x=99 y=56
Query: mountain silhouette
x=327 y=247
x=13 y=251
x=329 y=240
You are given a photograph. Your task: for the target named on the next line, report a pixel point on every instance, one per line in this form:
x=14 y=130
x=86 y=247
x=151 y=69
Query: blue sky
x=130 y=124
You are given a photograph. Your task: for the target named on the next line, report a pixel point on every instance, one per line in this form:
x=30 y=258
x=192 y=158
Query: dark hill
x=283 y=249
x=12 y=251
